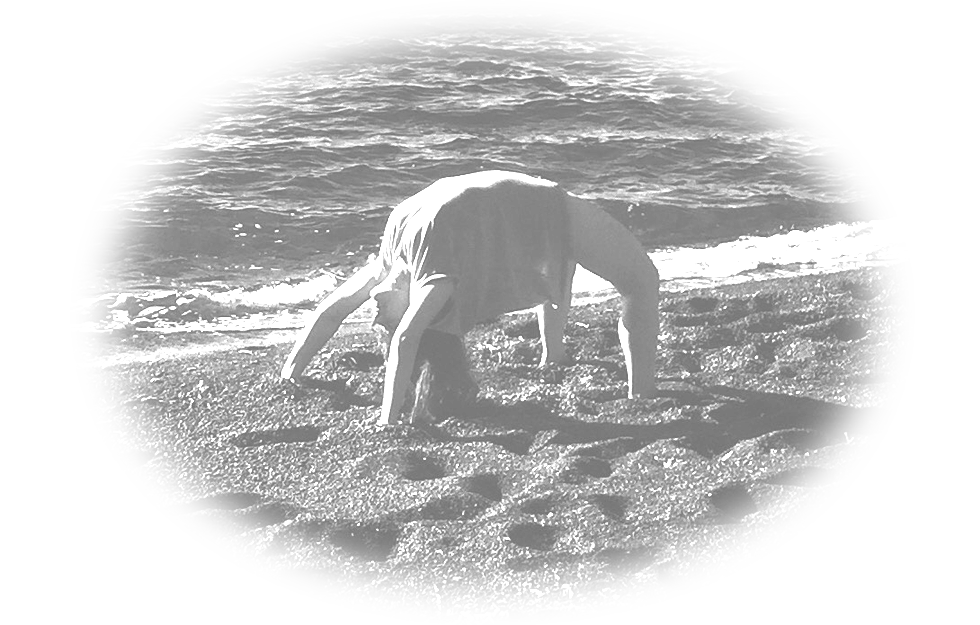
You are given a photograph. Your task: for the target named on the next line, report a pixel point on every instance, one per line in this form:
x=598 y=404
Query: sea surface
x=283 y=186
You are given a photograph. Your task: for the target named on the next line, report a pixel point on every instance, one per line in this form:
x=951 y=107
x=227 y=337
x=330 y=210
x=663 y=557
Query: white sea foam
x=822 y=250
x=827 y=249
x=280 y=294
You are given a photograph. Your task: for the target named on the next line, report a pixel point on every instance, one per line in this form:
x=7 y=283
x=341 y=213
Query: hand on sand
x=299 y=381
x=293 y=387
x=388 y=426
x=290 y=371
x=370 y=423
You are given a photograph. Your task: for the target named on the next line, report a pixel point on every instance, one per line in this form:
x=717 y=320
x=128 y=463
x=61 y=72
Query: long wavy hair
x=442 y=384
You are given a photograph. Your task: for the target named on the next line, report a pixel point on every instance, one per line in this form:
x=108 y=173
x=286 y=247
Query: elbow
x=405 y=340
x=404 y=346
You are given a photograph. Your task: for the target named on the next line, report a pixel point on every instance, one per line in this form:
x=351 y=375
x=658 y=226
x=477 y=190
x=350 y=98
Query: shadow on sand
x=707 y=419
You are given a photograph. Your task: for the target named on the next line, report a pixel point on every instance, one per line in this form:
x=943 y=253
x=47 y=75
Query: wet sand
x=554 y=482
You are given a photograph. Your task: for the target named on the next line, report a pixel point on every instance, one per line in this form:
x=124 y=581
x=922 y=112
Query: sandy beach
x=554 y=482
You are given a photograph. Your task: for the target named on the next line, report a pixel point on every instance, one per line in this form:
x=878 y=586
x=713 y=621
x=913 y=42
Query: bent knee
x=608 y=249
x=642 y=281
x=647 y=275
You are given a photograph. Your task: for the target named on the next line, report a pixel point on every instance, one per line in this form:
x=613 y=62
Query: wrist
x=293 y=367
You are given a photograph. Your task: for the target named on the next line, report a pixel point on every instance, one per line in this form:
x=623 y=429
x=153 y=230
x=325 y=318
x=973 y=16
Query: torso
x=501 y=237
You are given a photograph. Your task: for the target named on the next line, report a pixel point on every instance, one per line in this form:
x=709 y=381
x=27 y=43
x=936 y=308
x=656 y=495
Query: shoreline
x=280 y=303
x=172 y=341
x=346 y=263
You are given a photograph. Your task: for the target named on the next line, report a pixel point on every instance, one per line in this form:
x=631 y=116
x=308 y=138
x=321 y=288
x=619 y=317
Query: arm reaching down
x=425 y=303
x=328 y=316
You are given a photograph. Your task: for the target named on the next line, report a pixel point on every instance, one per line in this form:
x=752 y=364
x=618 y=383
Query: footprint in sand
x=373 y=541
x=764 y=352
x=802 y=440
x=699 y=305
x=416 y=466
x=763 y=323
x=612 y=448
x=613 y=506
x=304 y=531
x=841 y=327
x=626 y=560
x=787 y=371
x=769 y=322
x=860 y=291
x=538 y=506
x=226 y=501
x=733 y=502
x=689 y=361
x=533 y=535
x=715 y=337
x=299 y=434
x=486 y=485
x=519 y=443
x=763 y=302
x=708 y=444
x=583 y=468
x=610 y=339
x=816 y=324
x=455 y=507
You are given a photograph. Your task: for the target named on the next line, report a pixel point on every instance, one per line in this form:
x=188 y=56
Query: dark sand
x=555 y=482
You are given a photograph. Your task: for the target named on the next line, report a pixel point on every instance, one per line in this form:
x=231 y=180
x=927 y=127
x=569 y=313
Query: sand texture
x=554 y=482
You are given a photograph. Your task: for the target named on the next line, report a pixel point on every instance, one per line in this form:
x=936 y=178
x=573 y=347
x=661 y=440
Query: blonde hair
x=400 y=273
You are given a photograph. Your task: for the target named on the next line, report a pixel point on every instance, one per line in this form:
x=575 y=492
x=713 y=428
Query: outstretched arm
x=425 y=303
x=328 y=316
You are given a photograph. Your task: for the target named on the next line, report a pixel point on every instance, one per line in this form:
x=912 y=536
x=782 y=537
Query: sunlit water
x=263 y=187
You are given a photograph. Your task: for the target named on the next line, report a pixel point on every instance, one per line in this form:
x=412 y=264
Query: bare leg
x=605 y=247
x=639 y=328
x=551 y=322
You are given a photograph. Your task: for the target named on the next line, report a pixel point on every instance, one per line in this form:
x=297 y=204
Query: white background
x=117 y=572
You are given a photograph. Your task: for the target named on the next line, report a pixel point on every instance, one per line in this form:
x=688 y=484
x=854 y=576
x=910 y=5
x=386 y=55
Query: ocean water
x=284 y=184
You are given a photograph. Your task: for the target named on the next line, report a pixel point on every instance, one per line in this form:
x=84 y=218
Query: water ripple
x=319 y=151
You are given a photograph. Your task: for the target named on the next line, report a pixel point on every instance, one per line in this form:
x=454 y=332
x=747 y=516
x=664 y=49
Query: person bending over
x=469 y=248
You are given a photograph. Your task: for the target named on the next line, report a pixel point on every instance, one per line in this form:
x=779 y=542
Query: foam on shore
x=823 y=250
x=273 y=313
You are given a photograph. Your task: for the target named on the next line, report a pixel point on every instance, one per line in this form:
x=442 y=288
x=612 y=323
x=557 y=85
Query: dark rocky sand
x=554 y=482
